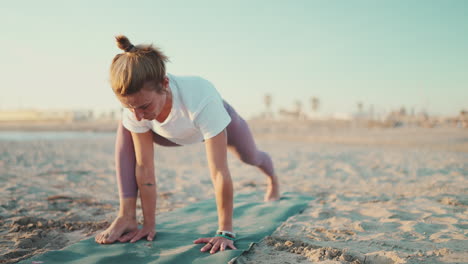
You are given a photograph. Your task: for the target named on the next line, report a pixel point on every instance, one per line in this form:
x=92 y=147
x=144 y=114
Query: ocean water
x=50 y=135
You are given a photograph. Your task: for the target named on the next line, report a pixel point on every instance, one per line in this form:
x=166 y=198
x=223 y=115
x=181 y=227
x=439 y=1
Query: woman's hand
x=134 y=236
x=213 y=244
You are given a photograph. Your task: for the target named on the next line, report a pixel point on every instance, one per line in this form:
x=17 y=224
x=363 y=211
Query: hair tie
x=129 y=48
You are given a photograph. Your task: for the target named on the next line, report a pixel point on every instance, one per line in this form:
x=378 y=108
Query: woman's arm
x=216 y=152
x=144 y=171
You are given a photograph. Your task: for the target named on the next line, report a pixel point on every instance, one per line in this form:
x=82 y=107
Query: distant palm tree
x=315 y=103
x=403 y=111
x=298 y=111
x=360 y=106
x=267 y=99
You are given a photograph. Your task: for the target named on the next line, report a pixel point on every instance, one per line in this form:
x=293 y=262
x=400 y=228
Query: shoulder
x=191 y=83
x=194 y=91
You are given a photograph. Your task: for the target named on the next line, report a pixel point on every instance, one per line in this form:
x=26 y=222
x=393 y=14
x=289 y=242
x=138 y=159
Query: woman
x=172 y=111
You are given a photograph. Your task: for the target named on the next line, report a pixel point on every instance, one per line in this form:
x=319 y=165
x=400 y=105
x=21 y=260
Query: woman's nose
x=138 y=114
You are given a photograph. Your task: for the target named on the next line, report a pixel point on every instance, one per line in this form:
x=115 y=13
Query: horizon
x=387 y=54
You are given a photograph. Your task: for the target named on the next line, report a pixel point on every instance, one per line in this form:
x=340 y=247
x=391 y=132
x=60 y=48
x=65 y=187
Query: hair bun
x=123 y=43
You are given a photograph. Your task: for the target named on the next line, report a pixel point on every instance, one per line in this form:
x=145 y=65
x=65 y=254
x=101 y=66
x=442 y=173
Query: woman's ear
x=165 y=82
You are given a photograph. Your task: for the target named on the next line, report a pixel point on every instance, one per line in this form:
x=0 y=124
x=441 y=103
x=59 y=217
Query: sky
x=385 y=54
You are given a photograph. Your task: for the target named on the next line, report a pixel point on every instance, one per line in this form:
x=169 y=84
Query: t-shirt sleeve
x=129 y=122
x=212 y=118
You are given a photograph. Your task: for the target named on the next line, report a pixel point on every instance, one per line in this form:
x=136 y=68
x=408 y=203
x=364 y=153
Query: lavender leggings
x=240 y=141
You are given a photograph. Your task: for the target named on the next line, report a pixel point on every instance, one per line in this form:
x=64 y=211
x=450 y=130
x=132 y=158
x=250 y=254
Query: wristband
x=230 y=238
x=226 y=233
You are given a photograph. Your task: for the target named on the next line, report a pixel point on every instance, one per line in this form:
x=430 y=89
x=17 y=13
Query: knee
x=123 y=140
x=254 y=159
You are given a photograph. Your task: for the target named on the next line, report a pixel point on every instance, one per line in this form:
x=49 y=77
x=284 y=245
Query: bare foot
x=273 y=192
x=120 y=226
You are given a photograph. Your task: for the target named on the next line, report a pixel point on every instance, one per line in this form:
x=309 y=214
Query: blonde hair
x=136 y=66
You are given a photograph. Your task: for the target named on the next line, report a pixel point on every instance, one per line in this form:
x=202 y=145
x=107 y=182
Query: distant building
x=35 y=115
x=63 y=116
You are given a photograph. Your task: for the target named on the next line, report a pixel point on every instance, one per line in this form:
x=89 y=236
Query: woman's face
x=147 y=103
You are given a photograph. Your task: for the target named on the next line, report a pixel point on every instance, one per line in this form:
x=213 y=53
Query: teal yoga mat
x=176 y=231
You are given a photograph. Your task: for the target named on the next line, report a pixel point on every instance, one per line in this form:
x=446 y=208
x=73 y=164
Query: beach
x=382 y=195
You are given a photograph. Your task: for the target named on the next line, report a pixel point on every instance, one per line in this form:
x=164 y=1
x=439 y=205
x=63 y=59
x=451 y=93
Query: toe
x=98 y=238
x=123 y=239
x=109 y=240
x=127 y=237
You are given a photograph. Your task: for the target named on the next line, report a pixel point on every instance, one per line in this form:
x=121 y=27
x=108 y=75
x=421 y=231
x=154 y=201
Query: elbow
x=222 y=182
x=221 y=176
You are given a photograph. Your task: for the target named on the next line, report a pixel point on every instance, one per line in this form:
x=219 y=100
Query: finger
x=207 y=247
x=150 y=236
x=128 y=236
x=215 y=247
x=231 y=245
x=223 y=247
x=202 y=240
x=137 y=237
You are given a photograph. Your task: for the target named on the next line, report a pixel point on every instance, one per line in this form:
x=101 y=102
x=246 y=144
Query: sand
x=383 y=195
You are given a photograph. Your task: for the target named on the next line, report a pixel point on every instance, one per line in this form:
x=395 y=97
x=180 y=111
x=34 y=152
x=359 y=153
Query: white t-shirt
x=197 y=113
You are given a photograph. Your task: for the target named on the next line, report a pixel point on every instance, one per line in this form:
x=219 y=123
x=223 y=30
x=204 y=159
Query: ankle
x=127 y=208
x=272 y=179
x=126 y=216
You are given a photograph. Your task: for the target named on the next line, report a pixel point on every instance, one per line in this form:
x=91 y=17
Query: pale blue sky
x=56 y=54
